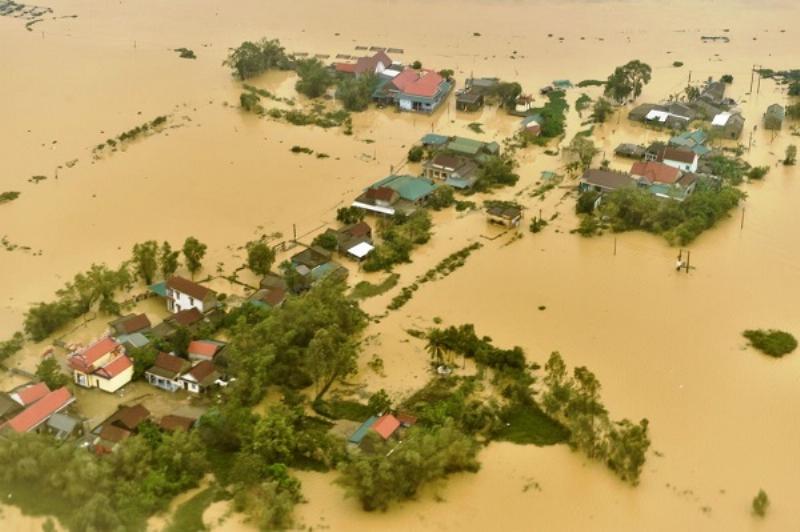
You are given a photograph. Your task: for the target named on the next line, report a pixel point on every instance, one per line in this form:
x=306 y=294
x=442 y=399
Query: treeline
x=680 y=222
x=133 y=133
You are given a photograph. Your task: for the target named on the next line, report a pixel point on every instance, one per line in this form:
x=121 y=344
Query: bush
x=677 y=64
x=8 y=196
x=760 y=503
x=758 y=172
x=441 y=198
x=416 y=153
x=496 y=172
x=349 y=215
x=727 y=78
x=356 y=93
x=771 y=342
x=586 y=201
x=326 y=241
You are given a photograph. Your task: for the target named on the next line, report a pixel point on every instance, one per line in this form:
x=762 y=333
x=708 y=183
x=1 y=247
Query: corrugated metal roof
x=359 y=434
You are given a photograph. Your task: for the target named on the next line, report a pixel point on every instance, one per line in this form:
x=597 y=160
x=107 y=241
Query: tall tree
x=145 y=260
x=50 y=373
x=260 y=257
x=602 y=110
x=315 y=78
x=628 y=80
x=168 y=260
x=330 y=356
x=193 y=252
x=584 y=150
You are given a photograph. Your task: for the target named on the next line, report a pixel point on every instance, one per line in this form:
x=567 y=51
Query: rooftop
x=386 y=426
x=410 y=188
x=38 y=412
x=423 y=82
x=190 y=288
x=656 y=172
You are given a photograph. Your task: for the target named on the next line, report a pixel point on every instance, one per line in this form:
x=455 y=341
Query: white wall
x=179 y=301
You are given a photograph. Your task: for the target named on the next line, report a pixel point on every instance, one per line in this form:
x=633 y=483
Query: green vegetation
x=188 y=517
x=582 y=103
x=49 y=372
x=794 y=88
x=365 y=289
x=476 y=127
x=591 y=83
x=537 y=224
x=326 y=241
x=760 y=503
x=727 y=78
x=416 y=65
x=186 y=53
x=771 y=342
x=8 y=196
x=441 y=198
x=602 y=110
x=399 y=235
x=355 y=93
x=575 y=402
x=193 y=253
x=251 y=59
x=793 y=111
x=554 y=115
x=528 y=425
x=583 y=151
x=496 y=172
x=96 y=286
x=131 y=134
x=632 y=209
x=507 y=93
x=677 y=64
x=11 y=346
x=301 y=149
x=260 y=257
x=380 y=478
x=758 y=172
x=415 y=154
x=791 y=155
x=341 y=409
x=168 y=259
x=145 y=260
x=318 y=116
x=349 y=215
x=627 y=81
x=729 y=169
x=444 y=268
x=315 y=77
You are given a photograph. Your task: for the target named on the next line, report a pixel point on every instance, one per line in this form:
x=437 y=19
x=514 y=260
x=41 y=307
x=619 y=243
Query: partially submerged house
x=374 y=64
x=384 y=426
x=395 y=193
x=602 y=180
x=173 y=423
x=664 y=181
x=123 y=424
x=62 y=426
x=102 y=365
x=773 y=118
x=183 y=294
x=692 y=140
x=421 y=90
x=473 y=96
x=531 y=125
x=456 y=171
x=166 y=372
x=727 y=125
x=683 y=159
x=631 y=151
x=672 y=115
x=353 y=241
x=130 y=324
x=35 y=416
x=504 y=213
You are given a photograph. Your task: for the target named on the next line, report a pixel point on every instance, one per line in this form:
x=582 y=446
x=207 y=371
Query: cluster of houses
x=710 y=106
x=127 y=421
x=36 y=408
x=408 y=89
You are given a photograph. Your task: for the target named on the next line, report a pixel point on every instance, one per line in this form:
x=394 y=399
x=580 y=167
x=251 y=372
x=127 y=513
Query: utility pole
x=743 y=209
x=758 y=90
x=752 y=73
x=688 y=260
x=615 y=246
x=294 y=232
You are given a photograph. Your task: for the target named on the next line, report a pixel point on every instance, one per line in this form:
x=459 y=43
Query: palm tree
x=437 y=348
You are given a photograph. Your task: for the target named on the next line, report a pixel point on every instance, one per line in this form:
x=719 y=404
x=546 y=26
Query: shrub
x=415 y=154
x=326 y=241
x=677 y=64
x=8 y=196
x=441 y=198
x=727 y=78
x=758 y=172
x=760 y=503
x=771 y=342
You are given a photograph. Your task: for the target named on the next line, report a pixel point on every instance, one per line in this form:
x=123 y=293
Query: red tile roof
x=202 y=349
x=115 y=367
x=98 y=350
x=31 y=394
x=347 y=68
x=385 y=426
x=41 y=410
x=190 y=288
x=656 y=172
x=418 y=82
x=187 y=317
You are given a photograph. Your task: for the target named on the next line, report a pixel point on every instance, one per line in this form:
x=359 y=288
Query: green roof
x=359 y=434
x=159 y=288
x=409 y=188
x=465 y=146
x=433 y=138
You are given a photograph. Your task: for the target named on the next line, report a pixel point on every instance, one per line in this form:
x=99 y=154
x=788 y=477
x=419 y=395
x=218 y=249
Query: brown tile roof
x=187 y=317
x=113 y=434
x=656 y=172
x=133 y=323
x=190 y=288
x=171 y=364
x=381 y=194
x=203 y=349
x=609 y=179
x=202 y=371
x=273 y=297
x=357 y=230
x=173 y=423
x=682 y=155
x=129 y=417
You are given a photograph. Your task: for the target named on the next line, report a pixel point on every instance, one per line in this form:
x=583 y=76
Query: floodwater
x=666 y=346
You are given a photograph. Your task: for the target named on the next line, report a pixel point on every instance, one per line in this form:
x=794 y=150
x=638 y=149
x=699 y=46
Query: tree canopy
x=628 y=80
x=315 y=77
x=252 y=58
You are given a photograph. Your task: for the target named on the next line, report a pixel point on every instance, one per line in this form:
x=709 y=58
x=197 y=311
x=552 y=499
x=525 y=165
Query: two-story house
x=183 y=294
x=102 y=365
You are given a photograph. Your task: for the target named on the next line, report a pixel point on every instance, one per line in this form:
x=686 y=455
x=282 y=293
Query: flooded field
x=666 y=346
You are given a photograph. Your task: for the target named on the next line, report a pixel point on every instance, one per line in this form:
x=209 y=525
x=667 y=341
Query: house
x=268 y=297
x=8 y=408
x=473 y=95
x=203 y=350
x=311 y=258
x=40 y=411
x=674 y=115
x=531 y=125
x=475 y=149
x=455 y=170
x=165 y=373
x=273 y=281
x=183 y=294
x=773 y=118
x=727 y=125
x=523 y=104
x=62 y=426
x=683 y=159
x=504 y=213
x=713 y=93
x=631 y=151
x=601 y=180
x=354 y=241
x=201 y=377
x=677 y=191
x=28 y=394
x=174 y=423
x=668 y=119
x=693 y=140
x=386 y=426
x=109 y=437
x=434 y=141
x=361 y=432
x=130 y=324
x=186 y=317
x=374 y=64
x=655 y=172
x=395 y=193
x=102 y=365
x=128 y=417
x=414 y=90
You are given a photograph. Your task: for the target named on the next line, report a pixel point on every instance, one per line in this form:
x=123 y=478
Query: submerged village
x=165 y=374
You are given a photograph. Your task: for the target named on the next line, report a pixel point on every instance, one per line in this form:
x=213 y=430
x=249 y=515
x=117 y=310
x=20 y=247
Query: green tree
x=251 y=59
x=791 y=155
x=49 y=372
x=627 y=81
x=584 y=150
x=11 y=346
x=42 y=319
x=627 y=449
x=441 y=198
x=437 y=347
x=559 y=389
x=349 y=215
x=355 y=93
x=250 y=101
x=508 y=93
x=168 y=259
x=602 y=110
x=447 y=74
x=415 y=154
x=193 y=252
x=315 y=77
x=794 y=88
x=145 y=260
x=793 y=111
x=760 y=503
x=416 y=65
x=330 y=356
x=326 y=241
x=379 y=402
x=496 y=172
x=260 y=257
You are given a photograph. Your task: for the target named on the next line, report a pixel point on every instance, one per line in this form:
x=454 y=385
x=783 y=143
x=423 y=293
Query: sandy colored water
x=665 y=346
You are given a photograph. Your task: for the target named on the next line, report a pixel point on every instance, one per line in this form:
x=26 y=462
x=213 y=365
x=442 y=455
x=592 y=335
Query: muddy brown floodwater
x=665 y=346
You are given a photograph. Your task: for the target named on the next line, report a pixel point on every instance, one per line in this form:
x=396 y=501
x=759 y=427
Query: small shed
x=631 y=151
x=773 y=118
x=507 y=214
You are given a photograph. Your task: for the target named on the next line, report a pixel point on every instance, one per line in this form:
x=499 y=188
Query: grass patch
x=526 y=425
x=188 y=517
x=771 y=342
x=591 y=83
x=8 y=196
x=343 y=409
x=365 y=289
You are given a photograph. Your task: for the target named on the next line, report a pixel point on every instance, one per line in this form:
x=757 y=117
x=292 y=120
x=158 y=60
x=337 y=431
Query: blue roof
x=361 y=432
x=461 y=183
x=159 y=288
x=433 y=138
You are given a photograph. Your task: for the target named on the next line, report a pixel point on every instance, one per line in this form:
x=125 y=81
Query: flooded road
x=666 y=346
